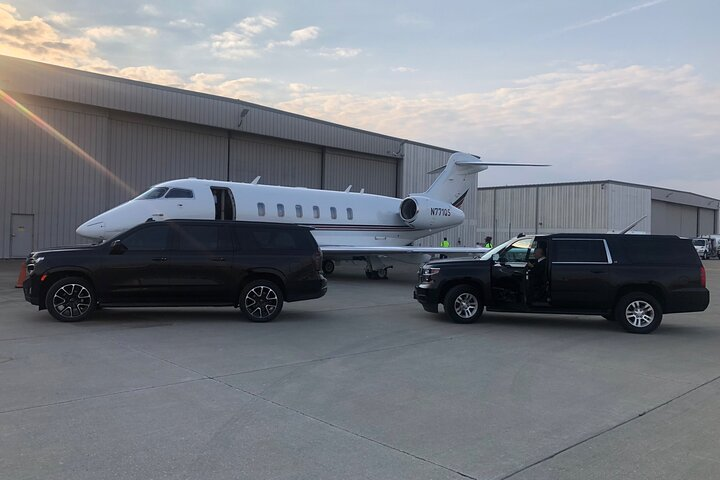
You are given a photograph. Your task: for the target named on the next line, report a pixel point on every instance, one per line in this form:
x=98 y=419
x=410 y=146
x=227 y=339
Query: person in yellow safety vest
x=445 y=243
x=488 y=242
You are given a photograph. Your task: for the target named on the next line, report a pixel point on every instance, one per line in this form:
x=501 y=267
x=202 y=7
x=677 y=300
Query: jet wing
x=360 y=251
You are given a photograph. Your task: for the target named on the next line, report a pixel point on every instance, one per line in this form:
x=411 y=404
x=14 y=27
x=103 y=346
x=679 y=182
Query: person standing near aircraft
x=488 y=242
x=445 y=243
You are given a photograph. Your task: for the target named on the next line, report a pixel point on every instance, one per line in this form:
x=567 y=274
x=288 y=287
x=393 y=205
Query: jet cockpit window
x=179 y=193
x=153 y=193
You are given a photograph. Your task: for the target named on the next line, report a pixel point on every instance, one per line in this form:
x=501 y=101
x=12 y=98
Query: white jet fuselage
x=338 y=218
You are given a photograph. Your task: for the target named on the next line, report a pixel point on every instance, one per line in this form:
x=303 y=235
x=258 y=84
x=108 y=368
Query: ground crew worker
x=445 y=243
x=488 y=242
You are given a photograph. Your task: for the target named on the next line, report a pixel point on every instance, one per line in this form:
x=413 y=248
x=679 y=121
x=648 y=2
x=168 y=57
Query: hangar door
x=376 y=175
x=706 y=221
x=277 y=162
x=674 y=219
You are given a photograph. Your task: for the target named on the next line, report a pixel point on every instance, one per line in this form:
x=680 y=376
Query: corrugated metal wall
x=627 y=204
x=707 y=221
x=515 y=212
x=376 y=175
x=277 y=162
x=573 y=208
x=41 y=176
x=144 y=152
x=158 y=101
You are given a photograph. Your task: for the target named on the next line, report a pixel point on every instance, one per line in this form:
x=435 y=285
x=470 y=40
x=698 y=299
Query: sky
x=626 y=90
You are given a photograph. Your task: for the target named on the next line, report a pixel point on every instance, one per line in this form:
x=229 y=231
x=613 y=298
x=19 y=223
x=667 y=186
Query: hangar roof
x=60 y=83
x=657 y=193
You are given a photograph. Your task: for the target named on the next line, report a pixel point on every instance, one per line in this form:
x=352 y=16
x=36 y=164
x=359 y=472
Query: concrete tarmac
x=361 y=384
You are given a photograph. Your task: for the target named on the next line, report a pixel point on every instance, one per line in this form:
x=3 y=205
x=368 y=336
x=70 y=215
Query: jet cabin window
x=261 y=209
x=224 y=203
x=333 y=213
x=349 y=214
x=281 y=210
x=298 y=211
x=153 y=193
x=316 y=212
x=179 y=193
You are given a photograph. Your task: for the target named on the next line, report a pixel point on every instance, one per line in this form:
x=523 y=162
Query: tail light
x=703 y=278
x=317 y=259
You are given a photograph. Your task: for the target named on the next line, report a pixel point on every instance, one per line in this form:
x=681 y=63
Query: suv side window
x=150 y=238
x=200 y=238
x=567 y=250
x=518 y=252
x=273 y=240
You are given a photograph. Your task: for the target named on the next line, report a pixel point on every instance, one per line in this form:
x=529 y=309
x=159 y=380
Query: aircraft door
x=224 y=203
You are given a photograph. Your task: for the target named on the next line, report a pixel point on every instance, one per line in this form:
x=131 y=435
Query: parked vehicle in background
x=633 y=279
x=703 y=247
x=253 y=266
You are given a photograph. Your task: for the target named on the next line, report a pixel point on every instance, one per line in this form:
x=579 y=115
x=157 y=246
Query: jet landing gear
x=375 y=269
x=328 y=267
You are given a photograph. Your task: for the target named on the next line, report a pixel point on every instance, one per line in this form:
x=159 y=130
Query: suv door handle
x=218 y=259
x=159 y=259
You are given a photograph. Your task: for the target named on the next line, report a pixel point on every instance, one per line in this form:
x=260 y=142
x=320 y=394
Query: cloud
x=404 y=69
x=238 y=43
x=185 y=23
x=611 y=16
x=297 y=37
x=339 y=52
x=60 y=19
x=111 y=32
x=150 y=10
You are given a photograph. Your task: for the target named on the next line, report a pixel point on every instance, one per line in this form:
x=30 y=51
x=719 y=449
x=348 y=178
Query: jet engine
x=425 y=213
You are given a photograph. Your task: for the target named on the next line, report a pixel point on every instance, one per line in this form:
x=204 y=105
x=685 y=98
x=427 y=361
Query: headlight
x=430 y=271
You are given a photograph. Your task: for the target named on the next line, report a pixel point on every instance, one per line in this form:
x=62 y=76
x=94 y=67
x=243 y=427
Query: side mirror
x=496 y=257
x=117 y=248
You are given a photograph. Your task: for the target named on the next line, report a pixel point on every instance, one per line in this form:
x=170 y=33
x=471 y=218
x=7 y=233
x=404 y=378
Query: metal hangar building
x=597 y=207
x=122 y=136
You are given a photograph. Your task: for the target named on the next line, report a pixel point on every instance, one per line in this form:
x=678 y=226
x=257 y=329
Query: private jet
x=348 y=226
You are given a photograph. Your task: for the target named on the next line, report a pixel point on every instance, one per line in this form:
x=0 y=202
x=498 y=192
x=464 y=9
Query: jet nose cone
x=92 y=229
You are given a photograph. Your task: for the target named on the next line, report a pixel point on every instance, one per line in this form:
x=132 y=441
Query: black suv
x=633 y=279
x=254 y=266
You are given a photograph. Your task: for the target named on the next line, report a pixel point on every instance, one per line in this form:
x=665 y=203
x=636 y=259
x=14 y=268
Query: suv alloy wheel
x=463 y=304
x=70 y=299
x=638 y=312
x=261 y=300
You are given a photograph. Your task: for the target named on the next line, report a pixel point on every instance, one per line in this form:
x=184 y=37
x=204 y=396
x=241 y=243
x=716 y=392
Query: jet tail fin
x=458 y=176
x=632 y=225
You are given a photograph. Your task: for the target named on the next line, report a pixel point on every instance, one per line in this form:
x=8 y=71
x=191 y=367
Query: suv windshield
x=699 y=242
x=489 y=254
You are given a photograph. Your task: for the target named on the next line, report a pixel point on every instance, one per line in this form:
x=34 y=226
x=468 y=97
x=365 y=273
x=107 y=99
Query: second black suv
x=633 y=279
x=253 y=266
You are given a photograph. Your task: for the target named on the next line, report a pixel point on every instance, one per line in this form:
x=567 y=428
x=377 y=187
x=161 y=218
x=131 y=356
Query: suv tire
x=638 y=312
x=463 y=304
x=70 y=299
x=261 y=300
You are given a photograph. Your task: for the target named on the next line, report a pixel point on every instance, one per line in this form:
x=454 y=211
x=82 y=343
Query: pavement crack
x=610 y=429
x=347 y=431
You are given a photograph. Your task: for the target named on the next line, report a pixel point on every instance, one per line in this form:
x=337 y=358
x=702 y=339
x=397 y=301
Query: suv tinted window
x=204 y=238
x=578 y=251
x=646 y=249
x=149 y=238
x=267 y=239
